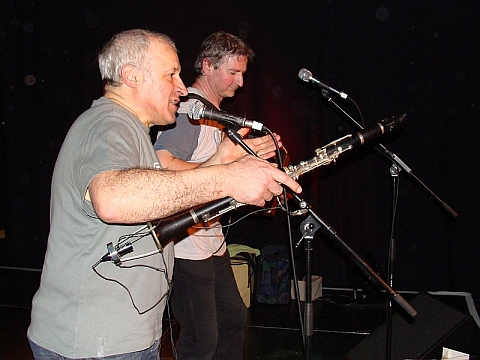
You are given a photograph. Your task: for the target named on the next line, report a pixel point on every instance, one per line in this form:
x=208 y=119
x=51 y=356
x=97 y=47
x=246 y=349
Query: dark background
x=420 y=58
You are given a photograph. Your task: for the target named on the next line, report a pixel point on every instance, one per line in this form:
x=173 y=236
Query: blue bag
x=273 y=279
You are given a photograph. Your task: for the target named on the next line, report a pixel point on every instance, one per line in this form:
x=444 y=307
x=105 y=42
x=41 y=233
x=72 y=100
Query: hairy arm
x=140 y=195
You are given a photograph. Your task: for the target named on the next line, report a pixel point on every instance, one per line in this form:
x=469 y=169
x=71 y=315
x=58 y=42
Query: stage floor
x=340 y=322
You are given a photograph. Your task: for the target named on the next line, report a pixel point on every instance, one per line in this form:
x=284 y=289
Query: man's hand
x=263 y=146
x=254 y=181
x=228 y=152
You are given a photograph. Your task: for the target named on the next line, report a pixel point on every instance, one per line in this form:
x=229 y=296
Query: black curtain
x=391 y=57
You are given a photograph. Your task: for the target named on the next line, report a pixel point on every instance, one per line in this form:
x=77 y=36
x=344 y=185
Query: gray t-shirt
x=76 y=312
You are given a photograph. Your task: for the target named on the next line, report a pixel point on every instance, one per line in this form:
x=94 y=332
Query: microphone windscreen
x=305 y=75
x=195 y=110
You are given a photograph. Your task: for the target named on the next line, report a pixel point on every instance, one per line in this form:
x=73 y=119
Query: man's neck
x=205 y=88
x=122 y=101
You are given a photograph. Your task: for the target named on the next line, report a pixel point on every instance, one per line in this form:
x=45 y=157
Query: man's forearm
x=139 y=195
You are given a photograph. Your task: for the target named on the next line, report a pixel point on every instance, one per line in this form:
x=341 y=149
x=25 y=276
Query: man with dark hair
x=107 y=188
x=205 y=298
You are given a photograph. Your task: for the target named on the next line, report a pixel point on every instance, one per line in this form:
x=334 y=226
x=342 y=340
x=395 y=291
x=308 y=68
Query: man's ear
x=207 y=67
x=130 y=75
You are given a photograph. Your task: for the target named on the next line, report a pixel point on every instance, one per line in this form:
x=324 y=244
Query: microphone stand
x=396 y=167
x=308 y=228
x=394 y=172
x=393 y=157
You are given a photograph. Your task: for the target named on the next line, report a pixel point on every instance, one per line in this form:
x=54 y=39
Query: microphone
x=307 y=76
x=197 y=111
x=115 y=253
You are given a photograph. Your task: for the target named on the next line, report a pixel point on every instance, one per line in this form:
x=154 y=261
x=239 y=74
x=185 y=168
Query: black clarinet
x=170 y=227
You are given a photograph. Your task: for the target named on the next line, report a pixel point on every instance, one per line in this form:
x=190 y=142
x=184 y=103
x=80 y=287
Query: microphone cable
x=125 y=239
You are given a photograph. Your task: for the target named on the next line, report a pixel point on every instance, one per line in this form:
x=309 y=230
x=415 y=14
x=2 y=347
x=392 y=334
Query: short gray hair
x=217 y=46
x=127 y=47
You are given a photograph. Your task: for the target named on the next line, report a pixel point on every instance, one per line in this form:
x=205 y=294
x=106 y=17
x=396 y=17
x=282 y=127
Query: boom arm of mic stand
x=394 y=158
x=237 y=139
x=367 y=270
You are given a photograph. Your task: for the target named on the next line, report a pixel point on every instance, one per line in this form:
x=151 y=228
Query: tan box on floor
x=244 y=278
x=316 y=288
